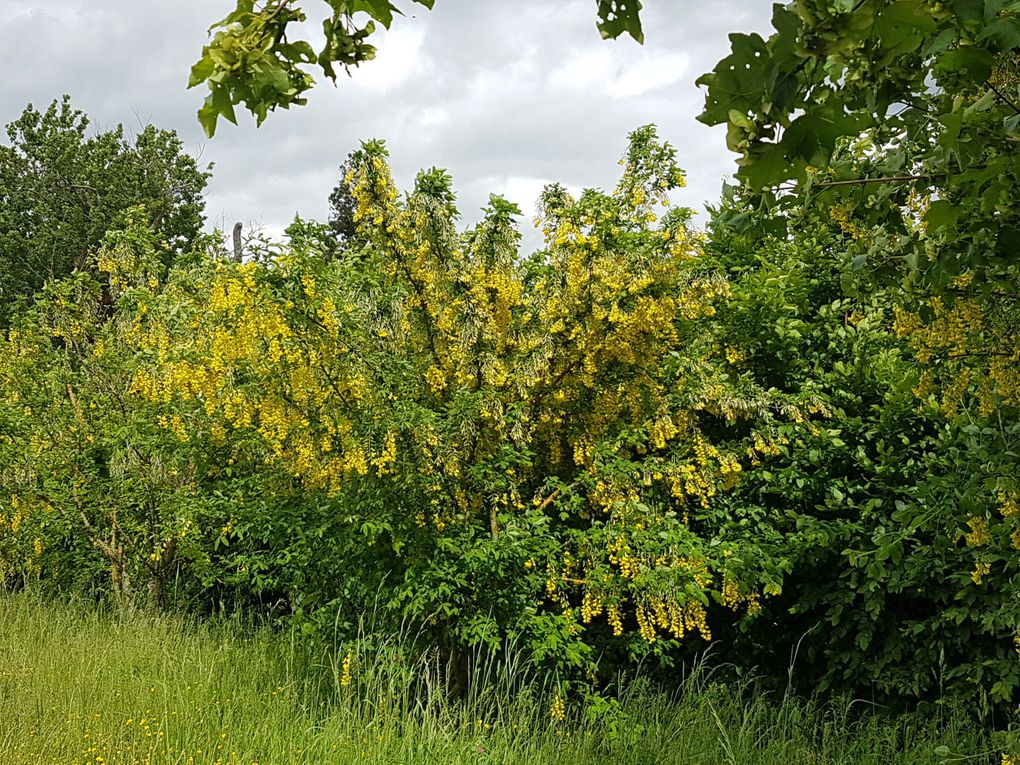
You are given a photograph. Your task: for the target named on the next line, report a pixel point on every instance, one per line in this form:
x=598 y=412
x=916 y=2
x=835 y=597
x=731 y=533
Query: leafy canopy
x=61 y=189
x=250 y=59
x=900 y=119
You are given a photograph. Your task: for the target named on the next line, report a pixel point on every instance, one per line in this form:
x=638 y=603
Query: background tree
x=62 y=189
x=342 y=204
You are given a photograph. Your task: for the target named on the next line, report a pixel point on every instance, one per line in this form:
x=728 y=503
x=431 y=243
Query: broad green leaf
x=618 y=16
x=201 y=71
x=222 y=103
x=207 y=117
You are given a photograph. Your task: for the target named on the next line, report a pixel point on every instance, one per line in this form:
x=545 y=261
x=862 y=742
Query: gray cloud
x=505 y=94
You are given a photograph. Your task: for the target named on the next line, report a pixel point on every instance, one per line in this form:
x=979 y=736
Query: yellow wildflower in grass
x=345 y=672
x=558 y=708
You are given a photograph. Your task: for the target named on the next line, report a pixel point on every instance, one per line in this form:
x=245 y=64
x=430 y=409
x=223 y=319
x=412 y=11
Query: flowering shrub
x=495 y=444
x=489 y=444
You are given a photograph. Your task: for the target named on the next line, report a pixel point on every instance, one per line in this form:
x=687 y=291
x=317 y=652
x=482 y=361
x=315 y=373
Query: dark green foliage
x=878 y=157
x=61 y=189
x=871 y=513
x=342 y=206
x=932 y=88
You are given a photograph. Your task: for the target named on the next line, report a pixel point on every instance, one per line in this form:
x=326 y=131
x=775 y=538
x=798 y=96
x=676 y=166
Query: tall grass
x=78 y=686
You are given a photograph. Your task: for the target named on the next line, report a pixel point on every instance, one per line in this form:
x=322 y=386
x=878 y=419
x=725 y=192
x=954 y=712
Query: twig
x=864 y=181
x=1004 y=97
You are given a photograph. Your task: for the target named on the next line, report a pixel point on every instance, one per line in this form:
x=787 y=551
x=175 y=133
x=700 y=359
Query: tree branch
x=1003 y=97
x=865 y=181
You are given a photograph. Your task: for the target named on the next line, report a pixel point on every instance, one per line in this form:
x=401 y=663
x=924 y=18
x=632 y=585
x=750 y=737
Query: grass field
x=77 y=686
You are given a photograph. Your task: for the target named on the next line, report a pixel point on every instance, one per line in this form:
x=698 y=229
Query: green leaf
x=276 y=77
x=982 y=104
x=767 y=167
x=902 y=27
x=619 y=16
x=974 y=63
x=1004 y=33
x=222 y=103
x=207 y=116
x=942 y=214
x=380 y=10
x=201 y=71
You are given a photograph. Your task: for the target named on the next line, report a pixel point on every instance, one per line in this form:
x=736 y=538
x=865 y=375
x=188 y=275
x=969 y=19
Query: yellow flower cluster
x=978 y=536
x=981 y=570
x=673 y=617
x=591 y=606
x=1009 y=505
x=13 y=519
x=621 y=555
x=345 y=671
x=646 y=625
x=615 y=619
x=967 y=348
x=383 y=463
x=558 y=708
x=730 y=592
x=842 y=214
x=735 y=355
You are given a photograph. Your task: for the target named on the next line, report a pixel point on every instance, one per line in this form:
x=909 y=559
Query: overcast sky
x=507 y=95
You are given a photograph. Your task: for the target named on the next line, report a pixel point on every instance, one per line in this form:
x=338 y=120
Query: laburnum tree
x=96 y=495
x=62 y=189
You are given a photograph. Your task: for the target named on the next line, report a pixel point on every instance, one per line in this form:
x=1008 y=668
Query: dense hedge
x=633 y=442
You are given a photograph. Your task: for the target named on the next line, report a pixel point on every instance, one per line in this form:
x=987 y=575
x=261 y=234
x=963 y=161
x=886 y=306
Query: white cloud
x=647 y=73
x=618 y=72
x=433 y=116
x=522 y=191
x=399 y=58
x=586 y=68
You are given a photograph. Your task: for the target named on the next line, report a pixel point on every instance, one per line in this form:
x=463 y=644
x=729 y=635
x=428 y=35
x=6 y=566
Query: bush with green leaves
x=897 y=524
